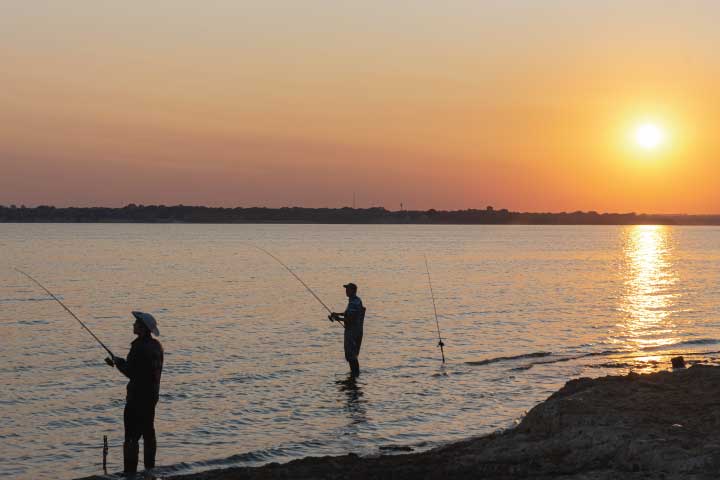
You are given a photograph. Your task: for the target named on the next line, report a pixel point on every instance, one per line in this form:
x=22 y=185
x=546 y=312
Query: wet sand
x=663 y=425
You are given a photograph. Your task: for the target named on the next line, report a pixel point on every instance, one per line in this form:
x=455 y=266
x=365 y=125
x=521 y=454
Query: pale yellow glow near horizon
x=649 y=136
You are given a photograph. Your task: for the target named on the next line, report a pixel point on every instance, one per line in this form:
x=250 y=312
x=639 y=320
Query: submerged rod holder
x=105 y=453
x=437 y=322
x=68 y=310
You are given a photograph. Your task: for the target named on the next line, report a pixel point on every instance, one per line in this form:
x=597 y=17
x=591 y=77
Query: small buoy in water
x=678 y=362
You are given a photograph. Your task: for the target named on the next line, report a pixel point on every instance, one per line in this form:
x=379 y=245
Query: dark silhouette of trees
x=133 y=213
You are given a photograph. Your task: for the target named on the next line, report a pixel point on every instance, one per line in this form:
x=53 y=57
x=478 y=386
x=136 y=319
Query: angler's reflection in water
x=354 y=402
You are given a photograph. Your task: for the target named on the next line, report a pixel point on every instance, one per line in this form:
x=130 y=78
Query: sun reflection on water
x=649 y=295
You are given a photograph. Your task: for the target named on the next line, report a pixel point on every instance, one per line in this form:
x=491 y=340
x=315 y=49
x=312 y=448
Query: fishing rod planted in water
x=68 y=310
x=437 y=322
x=296 y=276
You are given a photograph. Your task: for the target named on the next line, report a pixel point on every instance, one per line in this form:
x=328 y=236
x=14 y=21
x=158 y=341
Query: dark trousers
x=139 y=422
x=352 y=343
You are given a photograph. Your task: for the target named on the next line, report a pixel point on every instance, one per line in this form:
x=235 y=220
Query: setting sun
x=649 y=136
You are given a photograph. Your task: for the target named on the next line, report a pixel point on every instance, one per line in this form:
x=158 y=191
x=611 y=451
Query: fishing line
x=68 y=310
x=437 y=322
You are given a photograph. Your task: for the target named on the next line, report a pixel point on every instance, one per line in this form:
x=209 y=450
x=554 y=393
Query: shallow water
x=255 y=372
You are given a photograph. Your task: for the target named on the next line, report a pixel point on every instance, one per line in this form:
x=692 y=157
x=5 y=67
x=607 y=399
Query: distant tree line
x=193 y=214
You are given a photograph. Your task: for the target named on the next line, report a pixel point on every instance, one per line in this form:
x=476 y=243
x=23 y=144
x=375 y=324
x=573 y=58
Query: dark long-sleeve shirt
x=354 y=314
x=144 y=368
x=354 y=318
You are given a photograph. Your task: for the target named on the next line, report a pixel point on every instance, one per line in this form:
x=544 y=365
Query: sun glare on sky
x=649 y=136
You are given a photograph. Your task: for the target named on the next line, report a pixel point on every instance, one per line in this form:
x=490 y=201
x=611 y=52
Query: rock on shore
x=663 y=425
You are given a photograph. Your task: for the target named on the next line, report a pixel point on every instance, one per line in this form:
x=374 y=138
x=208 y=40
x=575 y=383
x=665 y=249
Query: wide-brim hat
x=148 y=320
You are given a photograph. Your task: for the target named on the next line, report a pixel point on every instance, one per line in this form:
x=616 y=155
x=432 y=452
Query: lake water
x=255 y=372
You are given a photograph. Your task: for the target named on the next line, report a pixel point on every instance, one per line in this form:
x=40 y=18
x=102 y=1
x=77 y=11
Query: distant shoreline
x=299 y=215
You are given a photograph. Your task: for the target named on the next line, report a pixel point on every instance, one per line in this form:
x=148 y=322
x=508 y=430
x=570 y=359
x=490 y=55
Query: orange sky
x=525 y=105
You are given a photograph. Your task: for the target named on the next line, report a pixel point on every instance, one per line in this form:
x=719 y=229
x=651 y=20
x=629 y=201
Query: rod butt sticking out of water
x=68 y=310
x=437 y=322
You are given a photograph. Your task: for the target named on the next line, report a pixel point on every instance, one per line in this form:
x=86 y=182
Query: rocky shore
x=663 y=425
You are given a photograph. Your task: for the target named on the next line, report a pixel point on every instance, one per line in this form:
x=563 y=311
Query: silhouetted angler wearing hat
x=143 y=367
x=352 y=319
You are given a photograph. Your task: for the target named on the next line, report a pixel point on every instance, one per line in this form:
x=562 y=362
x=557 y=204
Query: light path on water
x=255 y=372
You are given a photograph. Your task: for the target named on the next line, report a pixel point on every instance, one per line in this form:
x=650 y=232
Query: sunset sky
x=521 y=104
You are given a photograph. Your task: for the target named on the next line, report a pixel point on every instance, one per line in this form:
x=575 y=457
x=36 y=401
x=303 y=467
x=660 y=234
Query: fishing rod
x=68 y=310
x=437 y=322
x=296 y=276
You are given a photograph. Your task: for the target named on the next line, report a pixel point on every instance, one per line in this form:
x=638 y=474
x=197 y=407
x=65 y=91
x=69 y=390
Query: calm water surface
x=255 y=372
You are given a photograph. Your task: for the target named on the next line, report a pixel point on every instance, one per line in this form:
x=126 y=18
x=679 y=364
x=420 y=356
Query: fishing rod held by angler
x=68 y=310
x=437 y=322
x=295 y=275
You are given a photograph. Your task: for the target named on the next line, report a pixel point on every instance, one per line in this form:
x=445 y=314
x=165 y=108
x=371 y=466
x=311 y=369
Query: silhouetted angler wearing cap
x=352 y=319
x=143 y=367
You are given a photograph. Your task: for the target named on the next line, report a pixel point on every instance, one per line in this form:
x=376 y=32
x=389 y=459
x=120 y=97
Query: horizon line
x=488 y=208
